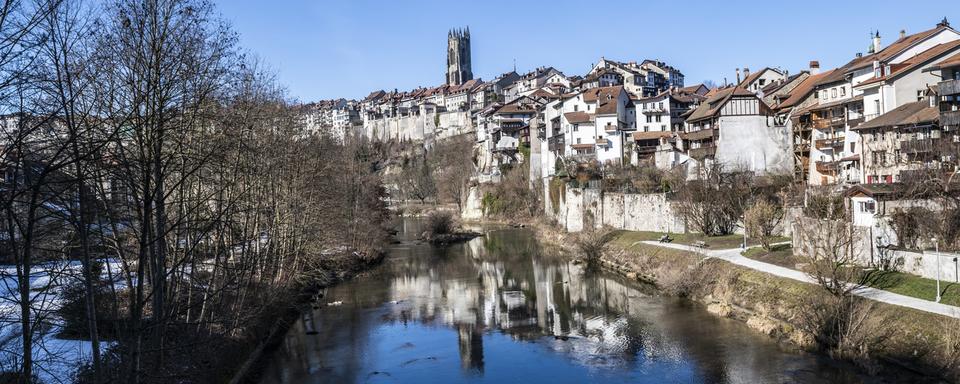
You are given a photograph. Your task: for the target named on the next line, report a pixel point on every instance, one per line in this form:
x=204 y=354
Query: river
x=498 y=310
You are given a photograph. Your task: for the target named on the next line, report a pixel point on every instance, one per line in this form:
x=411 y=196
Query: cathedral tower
x=458 y=57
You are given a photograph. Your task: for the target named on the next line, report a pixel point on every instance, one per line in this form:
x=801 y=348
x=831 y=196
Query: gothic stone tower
x=458 y=57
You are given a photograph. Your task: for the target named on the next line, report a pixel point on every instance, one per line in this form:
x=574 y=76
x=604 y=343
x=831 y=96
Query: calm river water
x=497 y=310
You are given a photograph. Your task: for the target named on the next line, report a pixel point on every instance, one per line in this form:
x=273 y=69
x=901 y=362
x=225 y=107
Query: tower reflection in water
x=497 y=304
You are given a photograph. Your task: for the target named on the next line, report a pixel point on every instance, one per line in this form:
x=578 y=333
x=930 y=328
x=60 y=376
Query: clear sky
x=338 y=48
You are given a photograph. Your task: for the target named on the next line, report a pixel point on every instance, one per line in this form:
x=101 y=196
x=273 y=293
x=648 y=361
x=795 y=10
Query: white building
x=735 y=129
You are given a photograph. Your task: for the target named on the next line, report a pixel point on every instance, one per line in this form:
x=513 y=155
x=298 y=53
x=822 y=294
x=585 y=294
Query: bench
x=700 y=244
x=665 y=239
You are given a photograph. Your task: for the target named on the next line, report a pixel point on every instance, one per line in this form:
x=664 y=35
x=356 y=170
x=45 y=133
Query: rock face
x=473 y=209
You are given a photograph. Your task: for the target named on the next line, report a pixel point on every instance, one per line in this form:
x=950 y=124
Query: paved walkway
x=734 y=256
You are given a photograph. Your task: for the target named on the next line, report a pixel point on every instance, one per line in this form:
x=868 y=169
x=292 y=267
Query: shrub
x=440 y=223
x=910 y=224
x=761 y=220
x=592 y=243
x=73 y=312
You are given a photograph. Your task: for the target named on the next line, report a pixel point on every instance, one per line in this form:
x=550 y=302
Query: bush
x=440 y=223
x=512 y=198
x=912 y=223
x=592 y=243
x=847 y=327
x=639 y=179
x=714 y=203
x=824 y=206
x=73 y=312
x=761 y=220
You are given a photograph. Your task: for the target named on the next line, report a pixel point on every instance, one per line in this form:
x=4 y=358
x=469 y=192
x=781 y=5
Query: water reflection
x=510 y=314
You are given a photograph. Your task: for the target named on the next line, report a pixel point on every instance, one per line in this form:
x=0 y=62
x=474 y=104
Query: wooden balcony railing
x=916 y=146
x=827 y=167
x=645 y=149
x=555 y=143
x=949 y=87
x=828 y=122
x=702 y=152
x=836 y=142
x=950 y=118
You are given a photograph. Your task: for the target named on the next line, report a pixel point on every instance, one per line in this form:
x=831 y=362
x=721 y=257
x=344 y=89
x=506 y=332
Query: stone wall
x=580 y=207
x=925 y=264
x=419 y=127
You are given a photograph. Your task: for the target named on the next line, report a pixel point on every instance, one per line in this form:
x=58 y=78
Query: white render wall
x=633 y=212
x=753 y=144
x=418 y=127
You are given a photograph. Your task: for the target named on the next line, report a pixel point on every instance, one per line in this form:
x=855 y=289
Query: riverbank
x=778 y=307
x=782 y=308
x=288 y=308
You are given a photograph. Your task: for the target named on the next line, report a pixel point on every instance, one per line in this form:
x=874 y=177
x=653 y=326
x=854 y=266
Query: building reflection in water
x=470 y=339
x=501 y=284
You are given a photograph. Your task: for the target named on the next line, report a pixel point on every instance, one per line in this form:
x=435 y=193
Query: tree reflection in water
x=510 y=313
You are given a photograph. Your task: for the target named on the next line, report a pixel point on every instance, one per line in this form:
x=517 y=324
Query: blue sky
x=327 y=49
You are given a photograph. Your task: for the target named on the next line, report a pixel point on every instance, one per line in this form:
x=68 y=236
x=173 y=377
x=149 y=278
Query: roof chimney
x=859 y=54
x=944 y=22
x=876 y=42
x=814 y=67
x=738 y=75
x=746 y=73
x=903 y=33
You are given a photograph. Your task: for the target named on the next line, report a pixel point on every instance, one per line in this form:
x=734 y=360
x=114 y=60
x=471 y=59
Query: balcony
x=610 y=128
x=602 y=141
x=831 y=143
x=950 y=118
x=646 y=149
x=854 y=122
x=827 y=167
x=654 y=111
x=916 y=146
x=555 y=143
x=702 y=152
x=699 y=135
x=949 y=87
x=828 y=122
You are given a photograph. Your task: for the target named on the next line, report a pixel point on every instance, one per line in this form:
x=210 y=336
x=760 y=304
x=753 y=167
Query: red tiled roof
x=578 y=117
x=800 y=93
x=711 y=106
x=918 y=112
x=593 y=94
x=914 y=62
x=902 y=44
x=951 y=61
x=651 y=135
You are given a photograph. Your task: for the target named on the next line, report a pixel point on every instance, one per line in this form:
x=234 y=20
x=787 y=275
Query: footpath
x=734 y=256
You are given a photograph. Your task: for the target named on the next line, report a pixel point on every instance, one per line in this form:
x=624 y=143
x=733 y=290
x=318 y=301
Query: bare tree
x=761 y=220
x=455 y=166
x=714 y=203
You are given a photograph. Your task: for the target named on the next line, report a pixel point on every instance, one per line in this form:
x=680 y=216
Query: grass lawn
x=713 y=242
x=916 y=286
x=781 y=255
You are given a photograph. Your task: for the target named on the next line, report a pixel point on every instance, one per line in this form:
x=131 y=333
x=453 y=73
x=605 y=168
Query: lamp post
x=936 y=247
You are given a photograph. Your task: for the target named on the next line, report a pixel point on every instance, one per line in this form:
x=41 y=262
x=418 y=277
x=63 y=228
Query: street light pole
x=936 y=247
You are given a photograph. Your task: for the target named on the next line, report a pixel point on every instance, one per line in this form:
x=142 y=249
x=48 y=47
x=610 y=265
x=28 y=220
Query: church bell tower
x=458 y=56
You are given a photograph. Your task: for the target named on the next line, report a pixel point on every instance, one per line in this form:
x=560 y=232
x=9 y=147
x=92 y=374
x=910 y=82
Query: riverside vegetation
x=163 y=201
